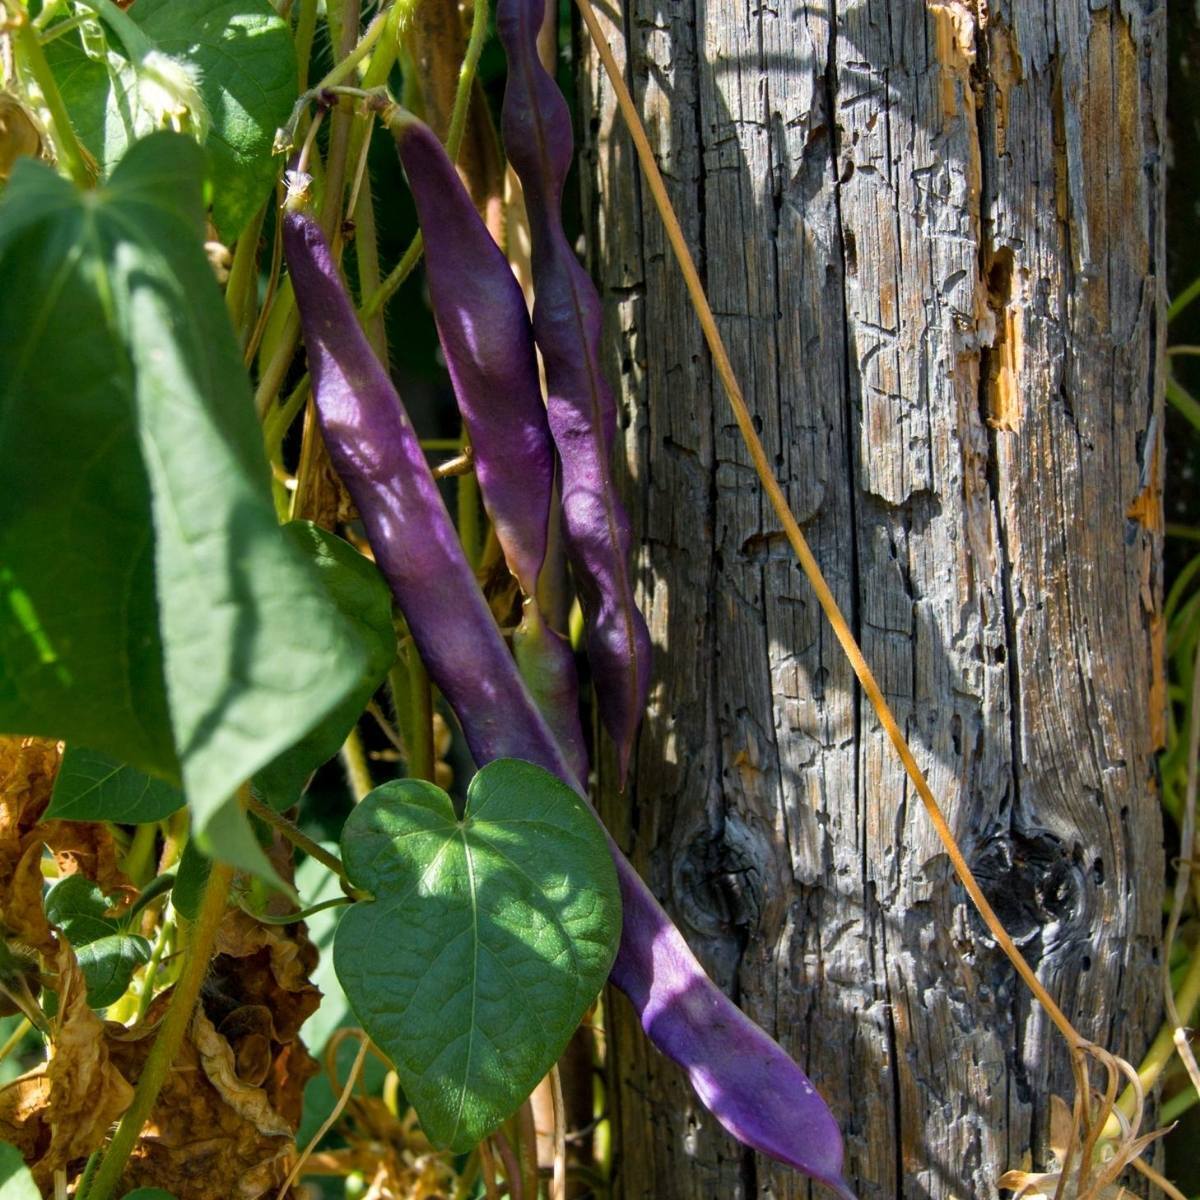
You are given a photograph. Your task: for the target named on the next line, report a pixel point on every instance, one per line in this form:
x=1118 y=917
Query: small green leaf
x=148 y=1194
x=16 y=1183
x=108 y=965
x=241 y=57
x=107 y=955
x=487 y=939
x=93 y=787
x=364 y=599
x=190 y=877
x=80 y=910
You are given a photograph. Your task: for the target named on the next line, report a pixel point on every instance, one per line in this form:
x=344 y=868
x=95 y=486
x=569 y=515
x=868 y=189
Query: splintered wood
x=933 y=238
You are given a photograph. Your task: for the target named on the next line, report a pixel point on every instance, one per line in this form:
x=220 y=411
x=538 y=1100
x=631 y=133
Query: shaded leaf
x=363 y=597
x=108 y=965
x=16 y=1183
x=244 y=65
x=500 y=931
x=79 y=908
x=190 y=877
x=106 y=953
x=77 y=575
x=94 y=787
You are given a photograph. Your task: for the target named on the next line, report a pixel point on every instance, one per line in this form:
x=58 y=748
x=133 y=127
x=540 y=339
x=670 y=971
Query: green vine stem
x=421 y=763
x=300 y=915
x=341 y=122
x=354 y=760
x=306 y=29
x=301 y=841
x=467 y=507
x=243 y=278
x=458 y=125
x=66 y=144
x=166 y=935
x=170 y=1034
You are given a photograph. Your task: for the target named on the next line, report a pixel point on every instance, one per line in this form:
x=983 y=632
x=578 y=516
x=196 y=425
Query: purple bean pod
x=747 y=1081
x=486 y=337
x=567 y=325
x=485 y=333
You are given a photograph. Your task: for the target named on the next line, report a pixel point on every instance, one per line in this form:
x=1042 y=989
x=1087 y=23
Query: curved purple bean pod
x=566 y=325
x=745 y=1078
x=484 y=329
x=485 y=333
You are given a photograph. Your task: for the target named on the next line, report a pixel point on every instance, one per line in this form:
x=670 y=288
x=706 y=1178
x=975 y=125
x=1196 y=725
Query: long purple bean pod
x=566 y=325
x=748 y=1082
x=484 y=328
x=485 y=333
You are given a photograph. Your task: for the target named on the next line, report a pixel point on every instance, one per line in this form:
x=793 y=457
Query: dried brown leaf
x=27 y=770
x=196 y=1144
x=87 y=848
x=61 y=1111
x=266 y=967
x=21 y=910
x=220 y=1065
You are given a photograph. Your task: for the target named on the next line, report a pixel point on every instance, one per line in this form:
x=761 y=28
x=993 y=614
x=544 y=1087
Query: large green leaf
x=486 y=940
x=16 y=1182
x=362 y=596
x=241 y=55
x=79 y=648
x=94 y=787
x=254 y=652
x=91 y=786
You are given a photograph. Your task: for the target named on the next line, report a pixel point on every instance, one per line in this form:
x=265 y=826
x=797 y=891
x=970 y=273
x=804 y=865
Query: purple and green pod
x=745 y=1078
x=566 y=325
x=487 y=339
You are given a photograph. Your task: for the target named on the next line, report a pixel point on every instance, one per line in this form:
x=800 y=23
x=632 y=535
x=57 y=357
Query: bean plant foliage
x=267 y=707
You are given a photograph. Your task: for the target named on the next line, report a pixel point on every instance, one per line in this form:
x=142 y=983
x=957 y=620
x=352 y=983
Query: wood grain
x=933 y=238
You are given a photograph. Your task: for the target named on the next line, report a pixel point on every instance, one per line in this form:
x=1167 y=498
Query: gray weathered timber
x=933 y=239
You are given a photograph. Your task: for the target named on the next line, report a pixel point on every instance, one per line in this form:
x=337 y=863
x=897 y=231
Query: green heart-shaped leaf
x=487 y=939
x=108 y=965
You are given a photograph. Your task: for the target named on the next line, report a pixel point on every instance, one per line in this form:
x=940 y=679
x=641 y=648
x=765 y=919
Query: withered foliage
x=224 y=1123
x=59 y=1112
x=392 y=1154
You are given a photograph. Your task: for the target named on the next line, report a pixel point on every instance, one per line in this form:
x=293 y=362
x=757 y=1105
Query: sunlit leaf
x=499 y=929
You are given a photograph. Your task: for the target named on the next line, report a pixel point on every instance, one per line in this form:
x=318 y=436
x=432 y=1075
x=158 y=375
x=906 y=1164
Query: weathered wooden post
x=933 y=236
